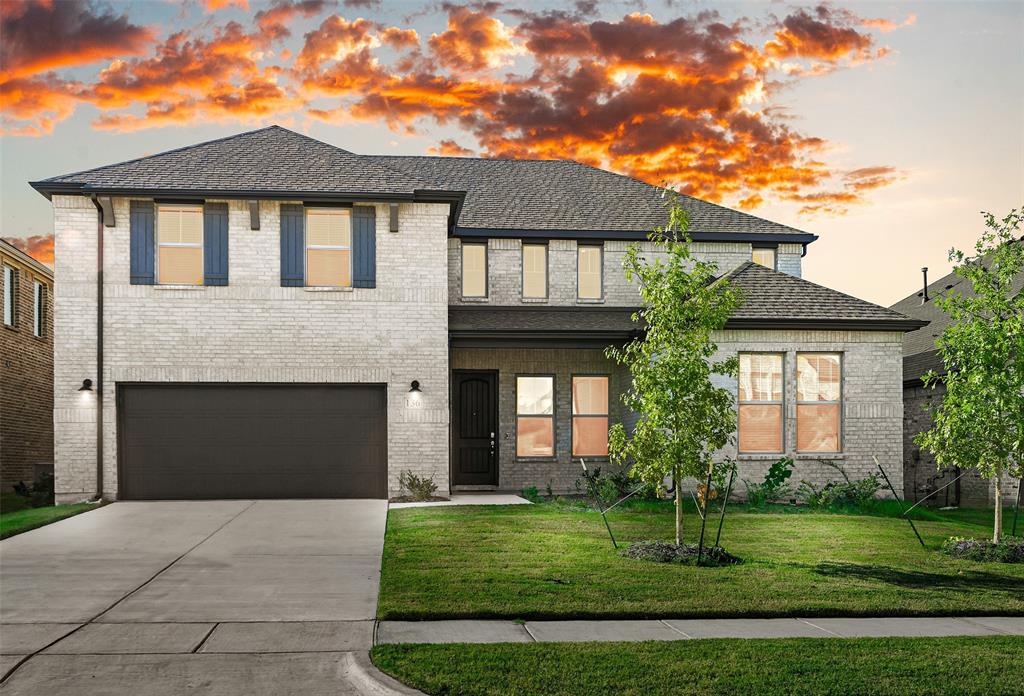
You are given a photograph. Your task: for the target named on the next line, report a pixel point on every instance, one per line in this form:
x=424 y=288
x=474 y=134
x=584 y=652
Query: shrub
x=666 y=552
x=843 y=494
x=1008 y=550
x=416 y=488
x=40 y=493
x=773 y=487
x=611 y=486
x=532 y=494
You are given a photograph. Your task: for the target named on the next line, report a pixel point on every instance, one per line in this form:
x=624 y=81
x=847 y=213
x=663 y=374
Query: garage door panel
x=253 y=441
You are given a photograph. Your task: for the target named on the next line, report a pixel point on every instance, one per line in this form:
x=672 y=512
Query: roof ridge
x=307 y=137
x=171 y=151
x=482 y=159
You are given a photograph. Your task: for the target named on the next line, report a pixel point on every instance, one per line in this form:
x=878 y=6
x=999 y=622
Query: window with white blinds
x=179 y=245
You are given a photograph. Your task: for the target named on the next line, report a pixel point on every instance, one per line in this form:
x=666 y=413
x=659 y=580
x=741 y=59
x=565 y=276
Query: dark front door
x=475 y=427
x=205 y=441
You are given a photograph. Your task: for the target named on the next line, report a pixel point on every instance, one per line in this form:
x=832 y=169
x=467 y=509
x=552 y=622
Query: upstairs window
x=760 y=403
x=10 y=295
x=180 y=245
x=329 y=247
x=819 y=401
x=474 y=270
x=39 y=309
x=535 y=271
x=535 y=416
x=590 y=416
x=765 y=256
x=588 y=271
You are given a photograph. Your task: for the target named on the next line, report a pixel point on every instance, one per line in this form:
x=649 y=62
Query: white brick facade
x=252 y=330
x=872 y=407
x=505 y=270
x=871 y=421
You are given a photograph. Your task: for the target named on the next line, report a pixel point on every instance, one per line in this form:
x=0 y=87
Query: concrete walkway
x=689 y=629
x=483 y=498
x=224 y=597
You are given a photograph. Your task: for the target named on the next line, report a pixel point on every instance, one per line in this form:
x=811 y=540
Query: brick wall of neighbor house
x=872 y=401
x=253 y=330
x=505 y=270
x=561 y=471
x=920 y=474
x=26 y=383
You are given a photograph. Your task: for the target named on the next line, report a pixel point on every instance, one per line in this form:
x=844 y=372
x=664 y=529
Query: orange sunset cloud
x=686 y=101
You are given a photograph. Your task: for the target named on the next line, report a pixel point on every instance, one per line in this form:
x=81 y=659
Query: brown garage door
x=208 y=441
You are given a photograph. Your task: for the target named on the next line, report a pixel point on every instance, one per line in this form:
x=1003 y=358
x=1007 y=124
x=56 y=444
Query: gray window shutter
x=293 y=243
x=143 y=243
x=215 y=244
x=364 y=247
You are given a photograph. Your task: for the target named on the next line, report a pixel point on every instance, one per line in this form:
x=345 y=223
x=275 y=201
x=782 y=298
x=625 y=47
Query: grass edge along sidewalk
x=904 y=666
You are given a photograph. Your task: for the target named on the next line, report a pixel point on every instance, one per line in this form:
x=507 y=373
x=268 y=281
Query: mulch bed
x=666 y=552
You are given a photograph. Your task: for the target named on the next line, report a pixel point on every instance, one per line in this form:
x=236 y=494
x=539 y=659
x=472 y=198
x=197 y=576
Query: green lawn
x=902 y=666
x=15 y=519
x=547 y=561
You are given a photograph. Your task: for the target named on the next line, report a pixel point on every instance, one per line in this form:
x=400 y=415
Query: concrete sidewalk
x=690 y=629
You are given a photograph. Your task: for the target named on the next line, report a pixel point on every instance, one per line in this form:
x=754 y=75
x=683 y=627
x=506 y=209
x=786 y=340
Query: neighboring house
x=283 y=318
x=26 y=368
x=920 y=356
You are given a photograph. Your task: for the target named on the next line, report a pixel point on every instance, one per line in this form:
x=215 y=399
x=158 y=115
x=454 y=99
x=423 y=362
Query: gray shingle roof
x=513 y=195
x=784 y=300
x=269 y=159
x=920 y=354
x=567 y=195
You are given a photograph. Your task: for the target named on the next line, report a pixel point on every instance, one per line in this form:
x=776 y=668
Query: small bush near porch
x=547 y=561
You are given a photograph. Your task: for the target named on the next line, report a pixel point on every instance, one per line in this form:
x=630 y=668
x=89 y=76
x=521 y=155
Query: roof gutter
x=903 y=325
x=803 y=238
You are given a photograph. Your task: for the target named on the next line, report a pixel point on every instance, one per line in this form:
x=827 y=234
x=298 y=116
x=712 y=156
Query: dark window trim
x=547 y=271
x=554 y=414
x=842 y=398
x=600 y=246
x=487 y=270
x=782 y=404
x=573 y=416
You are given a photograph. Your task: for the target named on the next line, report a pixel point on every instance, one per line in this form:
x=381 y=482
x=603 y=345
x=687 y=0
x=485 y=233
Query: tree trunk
x=679 y=507
x=997 y=532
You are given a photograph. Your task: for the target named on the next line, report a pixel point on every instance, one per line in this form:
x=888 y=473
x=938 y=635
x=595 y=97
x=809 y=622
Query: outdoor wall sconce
x=415 y=387
x=86 y=386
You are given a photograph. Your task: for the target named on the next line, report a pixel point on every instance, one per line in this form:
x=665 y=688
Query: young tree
x=683 y=416
x=980 y=422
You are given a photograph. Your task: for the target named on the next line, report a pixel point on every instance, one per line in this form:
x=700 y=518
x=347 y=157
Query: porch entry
x=475 y=428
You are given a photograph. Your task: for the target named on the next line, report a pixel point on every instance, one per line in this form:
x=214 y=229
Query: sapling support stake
x=703 y=514
x=600 y=507
x=725 y=501
x=900 y=502
x=1016 y=506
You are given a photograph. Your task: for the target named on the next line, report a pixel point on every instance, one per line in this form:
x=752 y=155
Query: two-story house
x=280 y=318
x=26 y=368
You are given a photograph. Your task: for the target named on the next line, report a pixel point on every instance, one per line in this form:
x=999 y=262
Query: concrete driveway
x=227 y=597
